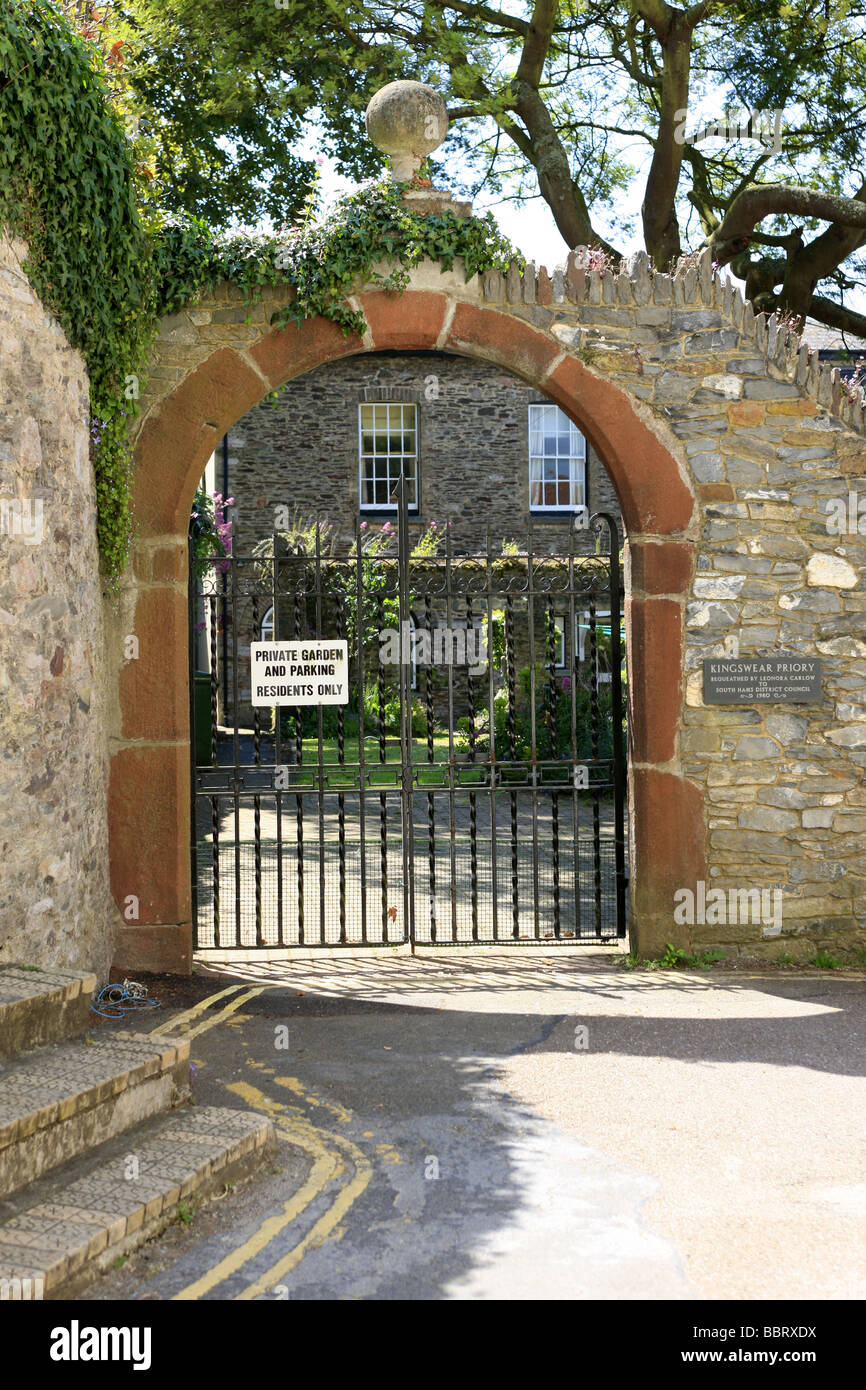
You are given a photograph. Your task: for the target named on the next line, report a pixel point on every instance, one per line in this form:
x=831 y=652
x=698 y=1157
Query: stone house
x=481 y=449
x=483 y=453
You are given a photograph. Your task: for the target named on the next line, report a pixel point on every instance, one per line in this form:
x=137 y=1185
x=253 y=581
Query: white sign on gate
x=313 y=672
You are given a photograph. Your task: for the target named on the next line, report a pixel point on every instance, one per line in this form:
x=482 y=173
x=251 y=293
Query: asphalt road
x=519 y=1124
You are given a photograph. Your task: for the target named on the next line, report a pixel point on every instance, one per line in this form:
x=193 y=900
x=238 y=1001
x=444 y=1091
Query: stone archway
x=148 y=796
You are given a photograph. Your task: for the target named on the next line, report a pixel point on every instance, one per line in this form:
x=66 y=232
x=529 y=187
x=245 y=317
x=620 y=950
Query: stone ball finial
x=406 y=121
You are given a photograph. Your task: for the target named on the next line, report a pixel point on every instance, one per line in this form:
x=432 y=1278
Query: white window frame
x=403 y=457
x=267 y=626
x=577 y=471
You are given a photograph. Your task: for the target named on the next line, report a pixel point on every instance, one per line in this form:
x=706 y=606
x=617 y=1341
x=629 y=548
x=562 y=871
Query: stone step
x=41 y=1006
x=73 y=1225
x=62 y=1099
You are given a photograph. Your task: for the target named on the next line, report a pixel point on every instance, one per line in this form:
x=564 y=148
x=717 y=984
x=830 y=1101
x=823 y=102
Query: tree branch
x=835 y=315
x=531 y=66
x=753 y=204
x=496 y=17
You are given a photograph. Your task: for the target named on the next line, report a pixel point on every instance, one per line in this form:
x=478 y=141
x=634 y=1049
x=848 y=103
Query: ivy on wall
x=69 y=187
x=324 y=260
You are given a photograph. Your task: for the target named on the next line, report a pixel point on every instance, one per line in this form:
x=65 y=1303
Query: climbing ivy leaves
x=67 y=187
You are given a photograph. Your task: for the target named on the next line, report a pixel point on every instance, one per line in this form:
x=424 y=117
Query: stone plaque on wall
x=781 y=680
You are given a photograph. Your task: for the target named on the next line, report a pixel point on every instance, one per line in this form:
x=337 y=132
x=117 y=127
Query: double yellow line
x=180 y=1021
x=329 y=1152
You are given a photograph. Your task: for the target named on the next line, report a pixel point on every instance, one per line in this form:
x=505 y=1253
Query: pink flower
x=387 y=526
x=363 y=525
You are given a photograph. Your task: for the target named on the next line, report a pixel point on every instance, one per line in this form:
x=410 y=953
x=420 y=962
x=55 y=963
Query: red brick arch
x=149 y=791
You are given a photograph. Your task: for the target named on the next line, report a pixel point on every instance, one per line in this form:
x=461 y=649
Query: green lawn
x=381 y=773
x=424 y=773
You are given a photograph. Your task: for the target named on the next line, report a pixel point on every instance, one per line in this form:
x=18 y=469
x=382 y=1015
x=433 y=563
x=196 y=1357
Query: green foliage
x=209 y=531
x=223 y=145
x=67 y=185
x=553 y=713
x=324 y=261
x=310 y=724
x=378 y=573
x=676 y=958
x=388 y=710
x=428 y=544
x=824 y=960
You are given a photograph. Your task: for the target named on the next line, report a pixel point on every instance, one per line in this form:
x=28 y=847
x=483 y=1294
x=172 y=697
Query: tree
x=543 y=97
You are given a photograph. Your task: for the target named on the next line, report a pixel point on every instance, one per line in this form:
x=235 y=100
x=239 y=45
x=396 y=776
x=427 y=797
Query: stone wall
x=726 y=442
x=775 y=447
x=55 y=906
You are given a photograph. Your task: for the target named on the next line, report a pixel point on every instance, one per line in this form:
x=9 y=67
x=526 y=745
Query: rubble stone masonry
x=301 y=450
x=733 y=551
x=55 y=907
x=740 y=468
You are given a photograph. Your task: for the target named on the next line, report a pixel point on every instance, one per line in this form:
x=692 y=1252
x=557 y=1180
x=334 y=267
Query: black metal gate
x=472 y=789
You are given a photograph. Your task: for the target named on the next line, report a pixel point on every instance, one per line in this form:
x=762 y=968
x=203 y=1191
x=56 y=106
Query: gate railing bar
x=571 y=647
x=257 y=802
x=278 y=752
x=619 y=767
x=406 y=803
x=491 y=734
x=192 y=606
x=473 y=800
x=362 y=761
x=215 y=801
x=533 y=730
x=236 y=747
x=552 y=728
x=431 y=758
x=341 y=760
x=383 y=758
x=299 y=756
x=512 y=748
x=320 y=748
x=594 y=716
x=449 y=619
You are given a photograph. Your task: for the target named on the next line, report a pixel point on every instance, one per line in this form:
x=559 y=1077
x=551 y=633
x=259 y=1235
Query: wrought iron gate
x=471 y=791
